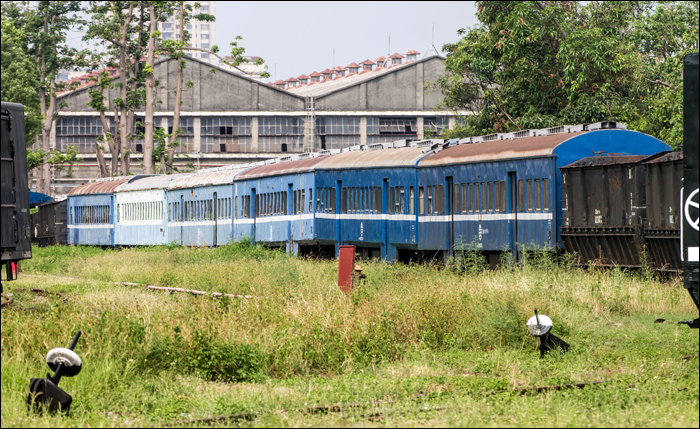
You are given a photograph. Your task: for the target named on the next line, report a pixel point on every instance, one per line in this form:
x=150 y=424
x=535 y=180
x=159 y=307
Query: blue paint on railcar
x=141 y=223
x=200 y=216
x=276 y=210
x=367 y=207
x=472 y=206
x=91 y=219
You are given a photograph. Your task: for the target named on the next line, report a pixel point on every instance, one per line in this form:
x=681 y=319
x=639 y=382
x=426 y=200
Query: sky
x=297 y=38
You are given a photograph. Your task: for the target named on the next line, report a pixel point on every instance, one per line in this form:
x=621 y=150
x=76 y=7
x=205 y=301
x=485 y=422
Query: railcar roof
x=599 y=161
x=101 y=186
x=160 y=181
x=281 y=168
x=393 y=157
x=210 y=178
x=525 y=147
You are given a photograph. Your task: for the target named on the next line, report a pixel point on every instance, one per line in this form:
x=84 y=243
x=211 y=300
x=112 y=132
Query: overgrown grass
x=416 y=335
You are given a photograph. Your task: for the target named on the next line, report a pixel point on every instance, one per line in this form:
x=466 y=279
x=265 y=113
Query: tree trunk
x=99 y=153
x=150 y=107
x=178 y=94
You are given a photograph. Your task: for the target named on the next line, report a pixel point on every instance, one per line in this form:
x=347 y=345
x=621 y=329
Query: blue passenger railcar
x=141 y=211
x=505 y=194
x=273 y=203
x=367 y=198
x=92 y=212
x=200 y=208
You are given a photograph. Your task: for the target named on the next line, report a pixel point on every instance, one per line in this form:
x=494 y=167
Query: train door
x=216 y=216
x=451 y=220
x=112 y=225
x=385 y=215
x=289 y=211
x=512 y=207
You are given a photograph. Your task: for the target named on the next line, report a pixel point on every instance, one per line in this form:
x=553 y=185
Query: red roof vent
x=396 y=59
x=291 y=82
x=367 y=65
x=411 y=55
x=315 y=76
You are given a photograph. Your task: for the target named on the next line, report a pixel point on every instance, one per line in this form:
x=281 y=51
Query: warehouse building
x=228 y=118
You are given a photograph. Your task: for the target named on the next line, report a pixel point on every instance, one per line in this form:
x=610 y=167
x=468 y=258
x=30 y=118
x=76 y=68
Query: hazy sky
x=299 y=37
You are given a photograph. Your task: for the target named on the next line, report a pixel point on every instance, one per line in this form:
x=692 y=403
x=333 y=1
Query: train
x=400 y=201
x=15 y=234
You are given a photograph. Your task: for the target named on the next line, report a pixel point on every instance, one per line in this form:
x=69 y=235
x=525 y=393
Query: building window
x=337 y=132
x=205 y=46
x=435 y=126
x=230 y=134
x=386 y=130
x=81 y=132
x=204 y=36
x=275 y=131
x=204 y=27
x=205 y=55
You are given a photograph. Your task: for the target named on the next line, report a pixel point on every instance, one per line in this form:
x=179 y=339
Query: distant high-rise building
x=202 y=34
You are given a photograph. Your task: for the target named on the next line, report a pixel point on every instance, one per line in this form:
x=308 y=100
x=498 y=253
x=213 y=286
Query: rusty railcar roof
x=211 y=178
x=599 y=161
x=99 y=187
x=281 y=168
x=525 y=147
x=393 y=157
x=160 y=181
x=666 y=157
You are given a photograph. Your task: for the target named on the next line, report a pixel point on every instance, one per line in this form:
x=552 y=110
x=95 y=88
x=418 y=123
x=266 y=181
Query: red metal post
x=346 y=265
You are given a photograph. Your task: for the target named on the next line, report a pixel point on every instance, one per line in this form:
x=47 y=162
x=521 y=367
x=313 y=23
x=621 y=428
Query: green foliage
x=535 y=65
x=36 y=158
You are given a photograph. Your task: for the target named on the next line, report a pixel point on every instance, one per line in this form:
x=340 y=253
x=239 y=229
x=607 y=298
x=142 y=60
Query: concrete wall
x=221 y=91
x=400 y=90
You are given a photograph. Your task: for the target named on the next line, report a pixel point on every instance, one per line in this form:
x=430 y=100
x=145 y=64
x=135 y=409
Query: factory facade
x=228 y=118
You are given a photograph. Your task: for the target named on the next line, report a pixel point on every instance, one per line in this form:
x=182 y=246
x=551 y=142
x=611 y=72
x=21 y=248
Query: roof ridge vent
x=356 y=147
x=110 y=179
x=329 y=152
x=271 y=161
x=524 y=133
x=379 y=146
x=606 y=125
x=402 y=143
x=285 y=158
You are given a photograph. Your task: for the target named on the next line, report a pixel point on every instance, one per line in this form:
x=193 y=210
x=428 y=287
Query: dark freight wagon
x=662 y=227
x=603 y=209
x=15 y=237
x=50 y=224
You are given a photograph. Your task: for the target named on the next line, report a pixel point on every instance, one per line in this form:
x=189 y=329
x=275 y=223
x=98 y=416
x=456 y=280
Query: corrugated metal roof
x=498 y=149
x=105 y=187
x=399 y=157
x=280 y=168
x=331 y=85
x=212 y=178
x=159 y=181
x=599 y=161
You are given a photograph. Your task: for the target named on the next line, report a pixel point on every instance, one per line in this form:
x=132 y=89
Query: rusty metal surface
x=212 y=178
x=99 y=187
x=500 y=149
x=160 y=181
x=663 y=249
x=396 y=157
x=608 y=247
x=281 y=168
x=666 y=157
x=599 y=161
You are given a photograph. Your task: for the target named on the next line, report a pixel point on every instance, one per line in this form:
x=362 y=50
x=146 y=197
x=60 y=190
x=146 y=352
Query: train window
x=356 y=200
x=343 y=200
x=333 y=202
x=521 y=195
x=477 y=207
x=391 y=200
x=464 y=198
x=529 y=195
x=295 y=202
x=456 y=200
x=411 y=201
x=421 y=200
x=470 y=194
x=318 y=199
x=484 y=200
x=441 y=199
x=538 y=194
x=430 y=200
x=378 y=199
x=368 y=199
x=491 y=203
x=503 y=197
x=310 y=200
x=545 y=185
x=496 y=197
x=402 y=204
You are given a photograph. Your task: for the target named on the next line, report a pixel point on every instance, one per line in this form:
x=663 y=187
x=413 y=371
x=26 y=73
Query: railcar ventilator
x=44 y=393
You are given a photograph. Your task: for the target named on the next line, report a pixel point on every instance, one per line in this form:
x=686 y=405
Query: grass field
x=411 y=346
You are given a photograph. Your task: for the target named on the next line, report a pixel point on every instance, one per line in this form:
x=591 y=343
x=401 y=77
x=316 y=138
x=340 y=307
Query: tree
x=45 y=25
x=540 y=64
x=120 y=26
